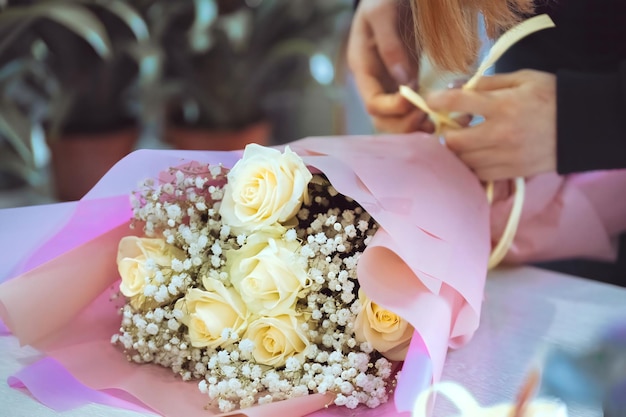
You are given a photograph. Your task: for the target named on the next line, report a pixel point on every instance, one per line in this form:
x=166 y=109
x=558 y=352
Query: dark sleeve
x=591 y=120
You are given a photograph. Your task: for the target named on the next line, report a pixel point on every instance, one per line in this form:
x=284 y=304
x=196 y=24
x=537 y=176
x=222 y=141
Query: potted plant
x=66 y=67
x=224 y=65
x=81 y=73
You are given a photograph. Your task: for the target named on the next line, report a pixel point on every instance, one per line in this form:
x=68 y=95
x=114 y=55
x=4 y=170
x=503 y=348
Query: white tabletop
x=525 y=310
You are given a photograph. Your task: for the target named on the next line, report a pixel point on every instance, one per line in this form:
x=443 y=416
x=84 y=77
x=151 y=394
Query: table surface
x=525 y=310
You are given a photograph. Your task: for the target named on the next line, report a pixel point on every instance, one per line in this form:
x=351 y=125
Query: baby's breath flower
x=291 y=235
x=267 y=399
x=328 y=243
x=152 y=329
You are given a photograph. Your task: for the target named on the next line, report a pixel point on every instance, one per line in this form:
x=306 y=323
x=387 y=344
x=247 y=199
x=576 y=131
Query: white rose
x=387 y=332
x=276 y=339
x=132 y=255
x=264 y=187
x=268 y=272
x=208 y=313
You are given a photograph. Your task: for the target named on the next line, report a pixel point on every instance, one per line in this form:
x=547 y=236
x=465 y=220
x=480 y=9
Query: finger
x=489 y=164
x=358 y=40
x=469 y=139
x=392 y=48
x=499 y=81
x=379 y=103
x=420 y=122
x=498 y=165
x=461 y=101
x=370 y=75
x=464 y=120
x=364 y=59
x=426 y=126
x=404 y=124
x=494 y=173
x=481 y=158
x=414 y=121
x=379 y=98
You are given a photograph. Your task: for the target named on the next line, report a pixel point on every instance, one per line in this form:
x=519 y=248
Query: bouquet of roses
x=247 y=281
x=302 y=275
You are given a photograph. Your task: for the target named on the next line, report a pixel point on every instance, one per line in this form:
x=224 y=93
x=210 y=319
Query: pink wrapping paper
x=428 y=263
x=574 y=216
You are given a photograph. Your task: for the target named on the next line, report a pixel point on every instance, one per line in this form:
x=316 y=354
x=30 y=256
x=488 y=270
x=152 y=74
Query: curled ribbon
x=469 y=407
x=442 y=121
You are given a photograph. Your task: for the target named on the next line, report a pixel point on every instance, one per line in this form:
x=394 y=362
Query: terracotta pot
x=219 y=140
x=80 y=160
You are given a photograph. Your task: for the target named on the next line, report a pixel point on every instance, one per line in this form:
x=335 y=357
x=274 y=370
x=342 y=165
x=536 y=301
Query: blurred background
x=85 y=82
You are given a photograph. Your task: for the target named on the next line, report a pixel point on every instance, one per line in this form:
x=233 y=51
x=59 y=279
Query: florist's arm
x=537 y=122
x=379 y=57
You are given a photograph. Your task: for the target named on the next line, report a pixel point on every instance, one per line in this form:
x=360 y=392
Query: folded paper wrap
x=427 y=263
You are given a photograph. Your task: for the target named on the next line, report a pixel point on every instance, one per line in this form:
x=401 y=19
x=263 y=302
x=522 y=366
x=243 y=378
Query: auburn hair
x=447 y=30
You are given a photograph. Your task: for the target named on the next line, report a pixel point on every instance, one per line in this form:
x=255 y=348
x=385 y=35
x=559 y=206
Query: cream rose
x=268 y=272
x=276 y=339
x=133 y=254
x=264 y=187
x=387 y=332
x=208 y=313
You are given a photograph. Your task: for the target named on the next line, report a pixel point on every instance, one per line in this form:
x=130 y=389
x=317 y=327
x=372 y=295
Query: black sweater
x=587 y=52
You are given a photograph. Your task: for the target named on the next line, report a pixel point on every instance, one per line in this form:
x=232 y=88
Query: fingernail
x=457 y=83
x=400 y=74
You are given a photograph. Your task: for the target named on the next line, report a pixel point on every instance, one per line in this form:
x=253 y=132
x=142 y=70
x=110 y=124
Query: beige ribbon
x=469 y=407
x=445 y=121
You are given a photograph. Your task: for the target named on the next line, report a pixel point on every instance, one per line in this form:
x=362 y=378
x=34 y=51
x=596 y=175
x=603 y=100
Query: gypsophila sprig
x=246 y=281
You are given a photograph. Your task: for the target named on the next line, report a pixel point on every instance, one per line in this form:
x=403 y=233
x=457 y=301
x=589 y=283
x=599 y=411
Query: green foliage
x=93 y=65
x=251 y=53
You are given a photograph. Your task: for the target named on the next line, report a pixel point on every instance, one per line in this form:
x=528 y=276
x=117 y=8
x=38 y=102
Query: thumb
x=392 y=48
x=499 y=81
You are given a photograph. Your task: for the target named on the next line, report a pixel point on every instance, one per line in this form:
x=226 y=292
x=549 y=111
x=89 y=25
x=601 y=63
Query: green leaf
x=128 y=15
x=205 y=15
x=16 y=129
x=60 y=107
x=149 y=58
x=9 y=163
x=11 y=69
x=78 y=19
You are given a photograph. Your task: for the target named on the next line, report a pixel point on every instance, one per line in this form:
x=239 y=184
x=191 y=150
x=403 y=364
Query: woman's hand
x=517 y=137
x=381 y=56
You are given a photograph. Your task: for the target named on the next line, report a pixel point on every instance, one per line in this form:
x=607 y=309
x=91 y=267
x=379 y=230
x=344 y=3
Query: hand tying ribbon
x=445 y=121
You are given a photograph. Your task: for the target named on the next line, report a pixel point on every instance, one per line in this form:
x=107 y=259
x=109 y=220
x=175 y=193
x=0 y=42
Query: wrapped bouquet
x=247 y=280
x=302 y=275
